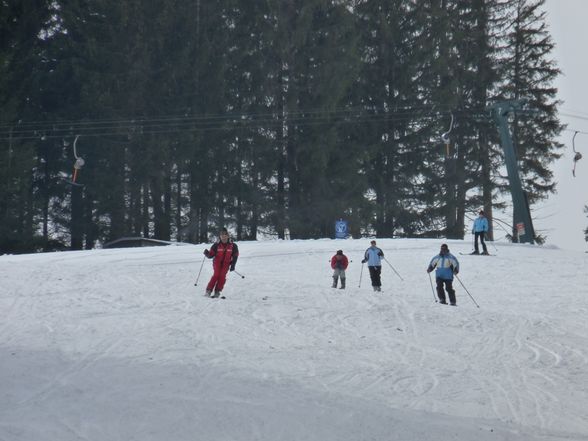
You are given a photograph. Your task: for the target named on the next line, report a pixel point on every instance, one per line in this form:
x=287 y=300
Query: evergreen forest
x=275 y=118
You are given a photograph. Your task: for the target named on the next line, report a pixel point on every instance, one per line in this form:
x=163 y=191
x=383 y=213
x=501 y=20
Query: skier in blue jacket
x=373 y=256
x=479 y=230
x=445 y=265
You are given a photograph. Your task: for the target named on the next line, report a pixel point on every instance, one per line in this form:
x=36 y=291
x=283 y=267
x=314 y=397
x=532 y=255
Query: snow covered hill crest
x=120 y=345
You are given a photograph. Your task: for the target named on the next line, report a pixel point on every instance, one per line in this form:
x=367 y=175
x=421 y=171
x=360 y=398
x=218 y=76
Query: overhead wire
x=104 y=127
x=184 y=115
x=576 y=116
x=178 y=124
x=185 y=123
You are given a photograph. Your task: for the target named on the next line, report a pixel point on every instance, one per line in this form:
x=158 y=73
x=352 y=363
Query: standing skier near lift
x=225 y=253
x=446 y=266
x=480 y=229
x=373 y=256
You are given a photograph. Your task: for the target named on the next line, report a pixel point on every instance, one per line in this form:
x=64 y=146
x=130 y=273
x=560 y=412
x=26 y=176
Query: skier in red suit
x=225 y=253
x=339 y=263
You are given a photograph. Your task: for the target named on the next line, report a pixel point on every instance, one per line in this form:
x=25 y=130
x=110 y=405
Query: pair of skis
x=213 y=296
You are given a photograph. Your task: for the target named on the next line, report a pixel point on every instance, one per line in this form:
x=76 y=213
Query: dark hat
x=481 y=211
x=444 y=247
x=223 y=230
x=340 y=252
x=373 y=242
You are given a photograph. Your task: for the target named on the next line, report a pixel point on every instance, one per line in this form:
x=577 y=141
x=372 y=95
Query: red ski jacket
x=342 y=264
x=225 y=255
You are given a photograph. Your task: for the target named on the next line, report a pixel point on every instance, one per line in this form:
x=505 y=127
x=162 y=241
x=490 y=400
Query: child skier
x=339 y=263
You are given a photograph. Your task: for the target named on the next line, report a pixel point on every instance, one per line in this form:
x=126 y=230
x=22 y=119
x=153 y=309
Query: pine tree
x=24 y=26
x=314 y=63
x=391 y=105
x=250 y=160
x=529 y=72
x=457 y=75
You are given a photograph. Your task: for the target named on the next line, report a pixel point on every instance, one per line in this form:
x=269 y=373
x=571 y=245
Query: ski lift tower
x=523 y=224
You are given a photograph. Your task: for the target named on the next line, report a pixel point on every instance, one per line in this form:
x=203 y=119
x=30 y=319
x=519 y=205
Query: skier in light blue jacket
x=445 y=265
x=479 y=230
x=373 y=256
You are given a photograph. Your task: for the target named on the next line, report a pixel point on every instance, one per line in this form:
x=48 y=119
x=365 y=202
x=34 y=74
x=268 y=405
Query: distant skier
x=446 y=266
x=225 y=253
x=479 y=230
x=339 y=263
x=373 y=256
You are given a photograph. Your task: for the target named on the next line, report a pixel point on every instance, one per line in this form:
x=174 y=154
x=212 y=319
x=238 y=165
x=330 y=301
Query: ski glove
x=206 y=253
x=363 y=261
x=232 y=268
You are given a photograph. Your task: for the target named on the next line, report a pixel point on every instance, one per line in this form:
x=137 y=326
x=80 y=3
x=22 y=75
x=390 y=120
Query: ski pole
x=198 y=278
x=386 y=260
x=239 y=274
x=473 y=300
x=360 y=274
x=432 y=289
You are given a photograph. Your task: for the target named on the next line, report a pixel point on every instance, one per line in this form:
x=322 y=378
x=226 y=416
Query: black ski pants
x=479 y=234
x=448 y=288
x=375 y=272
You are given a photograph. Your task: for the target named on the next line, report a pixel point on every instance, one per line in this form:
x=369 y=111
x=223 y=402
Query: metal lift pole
x=523 y=224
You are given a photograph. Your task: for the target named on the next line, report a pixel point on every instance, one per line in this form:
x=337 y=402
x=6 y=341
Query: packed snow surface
x=121 y=345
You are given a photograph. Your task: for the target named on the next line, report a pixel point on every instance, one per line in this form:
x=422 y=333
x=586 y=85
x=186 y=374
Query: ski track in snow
x=519 y=362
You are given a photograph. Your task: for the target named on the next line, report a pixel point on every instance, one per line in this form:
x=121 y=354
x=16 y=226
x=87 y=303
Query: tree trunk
x=179 y=204
x=145 y=210
x=77 y=218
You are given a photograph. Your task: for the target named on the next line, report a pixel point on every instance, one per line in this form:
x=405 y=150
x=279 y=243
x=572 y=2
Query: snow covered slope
x=120 y=345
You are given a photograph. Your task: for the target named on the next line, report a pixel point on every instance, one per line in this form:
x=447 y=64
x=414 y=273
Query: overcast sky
x=561 y=218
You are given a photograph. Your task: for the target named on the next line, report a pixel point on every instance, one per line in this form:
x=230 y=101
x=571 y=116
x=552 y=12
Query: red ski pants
x=218 y=279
